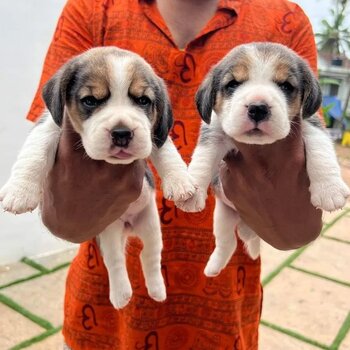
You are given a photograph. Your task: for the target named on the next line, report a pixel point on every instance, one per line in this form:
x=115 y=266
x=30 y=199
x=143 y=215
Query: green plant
x=326 y=114
x=334 y=37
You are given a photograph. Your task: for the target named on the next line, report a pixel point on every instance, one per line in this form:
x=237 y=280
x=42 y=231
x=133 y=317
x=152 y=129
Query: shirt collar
x=226 y=12
x=231 y=5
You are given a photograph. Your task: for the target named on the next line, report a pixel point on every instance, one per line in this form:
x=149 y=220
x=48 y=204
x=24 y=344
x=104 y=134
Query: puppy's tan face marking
x=281 y=72
x=219 y=102
x=285 y=76
x=91 y=80
x=239 y=72
x=113 y=90
x=139 y=87
x=95 y=88
x=236 y=70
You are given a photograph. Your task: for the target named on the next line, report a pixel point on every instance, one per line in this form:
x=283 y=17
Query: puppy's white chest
x=136 y=207
x=219 y=192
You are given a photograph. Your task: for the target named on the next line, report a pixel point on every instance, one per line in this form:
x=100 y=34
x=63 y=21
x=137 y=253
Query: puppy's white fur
x=229 y=121
x=23 y=190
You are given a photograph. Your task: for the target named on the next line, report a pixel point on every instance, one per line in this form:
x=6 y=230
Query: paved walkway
x=306 y=293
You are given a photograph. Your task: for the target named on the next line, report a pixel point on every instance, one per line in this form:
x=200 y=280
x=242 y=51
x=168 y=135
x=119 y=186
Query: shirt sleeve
x=303 y=39
x=73 y=35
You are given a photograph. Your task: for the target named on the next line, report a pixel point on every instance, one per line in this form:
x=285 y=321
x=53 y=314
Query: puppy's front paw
x=20 y=197
x=195 y=203
x=120 y=294
x=178 y=187
x=329 y=195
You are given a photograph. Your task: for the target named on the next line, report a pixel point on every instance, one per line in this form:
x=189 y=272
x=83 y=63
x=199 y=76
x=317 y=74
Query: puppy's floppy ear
x=311 y=91
x=56 y=90
x=164 y=114
x=206 y=95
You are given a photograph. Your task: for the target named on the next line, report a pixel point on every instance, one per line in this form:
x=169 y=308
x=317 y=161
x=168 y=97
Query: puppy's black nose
x=258 y=112
x=121 y=137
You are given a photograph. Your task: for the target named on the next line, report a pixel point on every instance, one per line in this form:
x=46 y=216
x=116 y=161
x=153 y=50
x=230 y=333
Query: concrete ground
x=306 y=293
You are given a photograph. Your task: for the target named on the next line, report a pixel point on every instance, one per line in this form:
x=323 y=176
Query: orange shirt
x=200 y=313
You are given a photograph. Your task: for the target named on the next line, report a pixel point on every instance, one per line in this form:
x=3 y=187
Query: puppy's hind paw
x=20 y=196
x=211 y=270
x=331 y=195
x=157 y=292
x=253 y=248
x=121 y=295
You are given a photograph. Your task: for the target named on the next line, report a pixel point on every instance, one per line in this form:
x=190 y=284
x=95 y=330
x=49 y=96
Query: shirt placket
x=184 y=60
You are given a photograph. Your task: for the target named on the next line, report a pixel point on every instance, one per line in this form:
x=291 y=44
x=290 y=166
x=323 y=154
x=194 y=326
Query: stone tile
x=42 y=296
x=16 y=271
x=55 y=342
x=341 y=229
x=271 y=258
x=328 y=258
x=50 y=261
x=270 y=339
x=308 y=305
x=345 y=345
x=15 y=328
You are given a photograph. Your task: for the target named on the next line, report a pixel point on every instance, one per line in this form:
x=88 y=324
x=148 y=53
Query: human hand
x=81 y=196
x=269 y=186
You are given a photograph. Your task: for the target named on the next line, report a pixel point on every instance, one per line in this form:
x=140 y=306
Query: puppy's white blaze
x=119 y=79
x=262 y=66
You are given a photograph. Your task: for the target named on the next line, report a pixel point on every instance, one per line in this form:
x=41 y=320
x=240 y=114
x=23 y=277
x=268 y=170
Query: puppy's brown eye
x=233 y=85
x=142 y=101
x=90 y=101
x=286 y=87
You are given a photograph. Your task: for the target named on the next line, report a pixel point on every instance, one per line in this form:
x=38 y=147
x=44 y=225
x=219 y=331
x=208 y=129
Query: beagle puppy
x=252 y=96
x=121 y=110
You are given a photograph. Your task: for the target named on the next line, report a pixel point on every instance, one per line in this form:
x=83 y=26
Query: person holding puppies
x=181 y=40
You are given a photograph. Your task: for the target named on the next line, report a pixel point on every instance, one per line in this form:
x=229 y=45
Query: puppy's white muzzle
x=118 y=135
x=256 y=114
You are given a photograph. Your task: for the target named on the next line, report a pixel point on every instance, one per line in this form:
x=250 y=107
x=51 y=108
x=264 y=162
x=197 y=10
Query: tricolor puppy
x=122 y=112
x=252 y=96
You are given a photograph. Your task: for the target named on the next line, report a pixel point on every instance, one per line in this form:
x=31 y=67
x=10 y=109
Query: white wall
x=26 y=28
